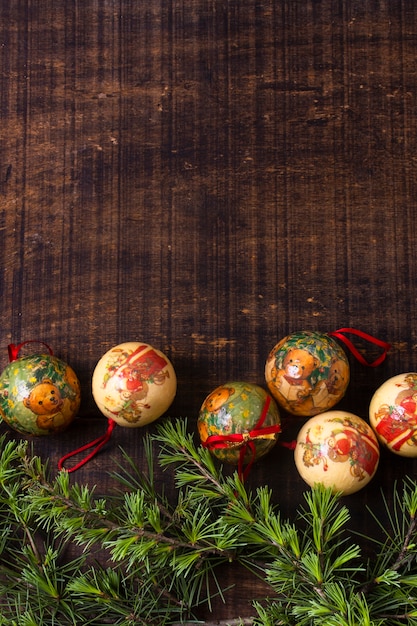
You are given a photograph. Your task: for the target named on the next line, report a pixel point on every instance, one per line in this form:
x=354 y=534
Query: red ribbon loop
x=291 y=445
x=244 y=441
x=98 y=443
x=359 y=333
x=14 y=350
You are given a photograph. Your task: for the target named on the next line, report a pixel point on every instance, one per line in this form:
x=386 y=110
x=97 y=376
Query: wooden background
x=208 y=176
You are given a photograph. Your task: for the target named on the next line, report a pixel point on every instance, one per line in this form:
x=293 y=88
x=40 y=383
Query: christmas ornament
x=239 y=423
x=337 y=449
x=39 y=393
x=308 y=372
x=393 y=414
x=133 y=384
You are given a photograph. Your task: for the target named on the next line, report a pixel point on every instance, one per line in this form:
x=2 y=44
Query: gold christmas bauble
x=307 y=373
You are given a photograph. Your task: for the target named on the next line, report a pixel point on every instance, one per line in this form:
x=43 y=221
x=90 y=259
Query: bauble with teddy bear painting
x=239 y=422
x=307 y=373
x=39 y=395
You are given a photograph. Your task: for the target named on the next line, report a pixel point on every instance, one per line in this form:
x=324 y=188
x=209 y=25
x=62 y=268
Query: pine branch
x=177 y=447
x=234 y=622
x=162 y=554
x=404 y=555
x=91 y=518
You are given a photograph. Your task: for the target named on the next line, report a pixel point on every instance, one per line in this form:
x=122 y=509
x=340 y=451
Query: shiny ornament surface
x=337 y=449
x=134 y=384
x=307 y=373
x=39 y=395
x=393 y=414
x=239 y=408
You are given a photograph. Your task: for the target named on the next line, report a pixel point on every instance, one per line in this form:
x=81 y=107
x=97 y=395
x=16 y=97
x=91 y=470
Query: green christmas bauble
x=39 y=395
x=235 y=414
x=307 y=373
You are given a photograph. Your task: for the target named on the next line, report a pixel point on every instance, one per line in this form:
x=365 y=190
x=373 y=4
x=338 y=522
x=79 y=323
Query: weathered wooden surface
x=208 y=176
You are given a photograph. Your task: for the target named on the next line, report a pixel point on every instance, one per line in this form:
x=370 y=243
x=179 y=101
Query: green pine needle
x=163 y=556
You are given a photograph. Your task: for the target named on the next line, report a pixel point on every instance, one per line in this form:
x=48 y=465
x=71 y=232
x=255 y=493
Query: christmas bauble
x=393 y=414
x=39 y=394
x=307 y=373
x=337 y=449
x=134 y=384
x=239 y=417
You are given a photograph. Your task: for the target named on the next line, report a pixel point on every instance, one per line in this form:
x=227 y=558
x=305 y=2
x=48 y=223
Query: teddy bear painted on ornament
x=237 y=408
x=216 y=405
x=46 y=402
x=39 y=394
x=307 y=373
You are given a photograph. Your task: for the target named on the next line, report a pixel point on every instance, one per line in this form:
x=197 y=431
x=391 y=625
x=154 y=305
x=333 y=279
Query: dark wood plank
x=208 y=177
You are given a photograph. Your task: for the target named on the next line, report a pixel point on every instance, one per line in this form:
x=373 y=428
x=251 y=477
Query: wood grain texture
x=208 y=176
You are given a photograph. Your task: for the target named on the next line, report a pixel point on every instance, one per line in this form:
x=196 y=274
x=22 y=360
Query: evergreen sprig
x=160 y=556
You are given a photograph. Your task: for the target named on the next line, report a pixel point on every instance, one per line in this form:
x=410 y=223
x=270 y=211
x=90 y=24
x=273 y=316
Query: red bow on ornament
x=244 y=442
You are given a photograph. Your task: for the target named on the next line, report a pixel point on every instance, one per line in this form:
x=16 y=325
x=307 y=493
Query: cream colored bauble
x=134 y=384
x=393 y=414
x=337 y=449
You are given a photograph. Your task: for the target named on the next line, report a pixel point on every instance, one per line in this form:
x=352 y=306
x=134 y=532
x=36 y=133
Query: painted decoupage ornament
x=134 y=384
x=337 y=449
x=393 y=414
x=239 y=423
x=39 y=393
x=307 y=373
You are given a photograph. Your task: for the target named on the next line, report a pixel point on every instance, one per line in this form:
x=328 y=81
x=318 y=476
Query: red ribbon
x=14 y=350
x=244 y=441
x=378 y=342
x=98 y=443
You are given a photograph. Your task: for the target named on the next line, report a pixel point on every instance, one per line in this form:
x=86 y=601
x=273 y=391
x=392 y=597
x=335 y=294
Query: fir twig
x=162 y=556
